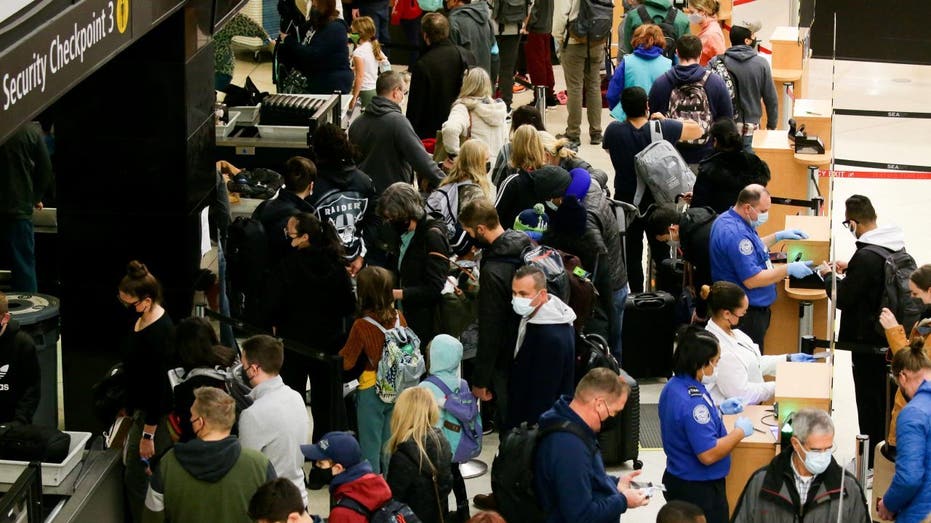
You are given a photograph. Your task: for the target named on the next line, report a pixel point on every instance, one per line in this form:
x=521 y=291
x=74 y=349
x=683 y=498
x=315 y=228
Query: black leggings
x=462 y=497
x=710 y=496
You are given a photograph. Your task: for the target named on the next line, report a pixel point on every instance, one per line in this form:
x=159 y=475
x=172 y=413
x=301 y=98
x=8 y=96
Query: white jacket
x=563 y=11
x=741 y=368
x=487 y=119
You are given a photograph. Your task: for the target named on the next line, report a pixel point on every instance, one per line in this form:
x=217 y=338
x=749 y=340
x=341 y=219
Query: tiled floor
x=856 y=85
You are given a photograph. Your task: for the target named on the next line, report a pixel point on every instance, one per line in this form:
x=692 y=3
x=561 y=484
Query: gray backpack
x=661 y=169
x=593 y=22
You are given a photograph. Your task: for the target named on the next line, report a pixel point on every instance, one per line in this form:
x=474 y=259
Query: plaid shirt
x=802 y=485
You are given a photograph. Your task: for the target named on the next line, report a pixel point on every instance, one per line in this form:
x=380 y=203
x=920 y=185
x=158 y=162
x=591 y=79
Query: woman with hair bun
x=728 y=170
x=145 y=363
x=919 y=283
x=742 y=367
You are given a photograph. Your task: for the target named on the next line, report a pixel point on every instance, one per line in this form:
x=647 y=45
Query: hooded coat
x=754 y=83
x=909 y=495
x=445 y=360
x=436 y=79
x=20 y=379
x=638 y=69
x=345 y=196
x=274 y=215
x=391 y=150
x=497 y=322
x=771 y=496
x=656 y=9
x=544 y=362
x=324 y=60
x=206 y=481
x=470 y=28
x=859 y=294
x=515 y=194
x=413 y=481
x=719 y=100
x=476 y=118
x=723 y=175
x=362 y=485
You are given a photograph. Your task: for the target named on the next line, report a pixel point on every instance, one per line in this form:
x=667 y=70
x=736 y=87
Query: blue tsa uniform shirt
x=690 y=424
x=738 y=253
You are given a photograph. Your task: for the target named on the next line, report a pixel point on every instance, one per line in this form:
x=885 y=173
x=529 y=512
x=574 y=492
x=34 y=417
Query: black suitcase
x=619 y=438
x=648 y=334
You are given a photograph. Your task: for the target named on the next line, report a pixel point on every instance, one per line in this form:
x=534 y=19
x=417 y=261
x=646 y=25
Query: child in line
x=368 y=61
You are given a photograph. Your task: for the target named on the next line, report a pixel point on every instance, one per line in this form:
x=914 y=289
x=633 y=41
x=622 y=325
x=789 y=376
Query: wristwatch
x=148 y=435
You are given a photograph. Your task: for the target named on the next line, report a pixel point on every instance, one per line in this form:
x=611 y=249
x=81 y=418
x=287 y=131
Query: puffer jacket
x=413 y=480
x=897 y=341
x=477 y=118
x=909 y=495
x=771 y=496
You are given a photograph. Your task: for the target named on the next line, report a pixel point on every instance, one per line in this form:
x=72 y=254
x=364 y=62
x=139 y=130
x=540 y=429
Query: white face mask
x=817 y=462
x=696 y=18
x=522 y=306
x=710 y=380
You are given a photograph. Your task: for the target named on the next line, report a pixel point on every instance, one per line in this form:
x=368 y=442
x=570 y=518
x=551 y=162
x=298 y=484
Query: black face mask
x=245 y=376
x=487 y=167
x=400 y=227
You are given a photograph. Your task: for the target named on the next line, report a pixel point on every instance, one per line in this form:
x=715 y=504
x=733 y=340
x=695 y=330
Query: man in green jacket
x=657 y=9
x=25 y=176
x=191 y=478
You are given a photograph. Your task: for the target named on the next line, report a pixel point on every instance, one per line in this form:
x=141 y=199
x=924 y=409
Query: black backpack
x=393 y=511
x=667 y=24
x=33 y=443
x=593 y=22
x=897 y=267
x=247 y=262
x=512 y=470
x=592 y=352
x=510 y=11
x=718 y=67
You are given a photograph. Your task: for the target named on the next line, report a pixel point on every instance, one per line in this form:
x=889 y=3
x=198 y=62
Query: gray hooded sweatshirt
x=754 y=83
x=470 y=28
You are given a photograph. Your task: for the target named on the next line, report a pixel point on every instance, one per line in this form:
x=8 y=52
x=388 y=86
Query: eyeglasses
x=287 y=233
x=128 y=305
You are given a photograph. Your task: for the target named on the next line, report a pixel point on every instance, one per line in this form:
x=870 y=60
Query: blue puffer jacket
x=638 y=69
x=909 y=495
x=570 y=481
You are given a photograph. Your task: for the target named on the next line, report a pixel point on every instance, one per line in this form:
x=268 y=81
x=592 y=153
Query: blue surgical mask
x=760 y=219
x=817 y=462
x=522 y=306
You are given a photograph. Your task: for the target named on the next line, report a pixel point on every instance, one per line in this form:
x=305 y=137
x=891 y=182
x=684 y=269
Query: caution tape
x=881 y=114
x=876 y=175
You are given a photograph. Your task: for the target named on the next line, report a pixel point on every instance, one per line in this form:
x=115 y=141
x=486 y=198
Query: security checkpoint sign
x=57 y=55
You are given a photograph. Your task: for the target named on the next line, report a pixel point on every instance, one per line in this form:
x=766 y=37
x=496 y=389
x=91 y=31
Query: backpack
x=690 y=102
x=510 y=11
x=232 y=382
x=718 y=67
x=401 y=362
x=897 y=267
x=258 y=183
x=466 y=420
x=593 y=22
x=443 y=203
x=246 y=261
x=661 y=169
x=512 y=470
x=667 y=25
x=583 y=297
x=550 y=261
x=592 y=352
x=33 y=443
x=393 y=511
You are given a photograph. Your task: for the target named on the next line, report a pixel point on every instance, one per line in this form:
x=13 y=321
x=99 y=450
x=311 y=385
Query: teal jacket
x=25 y=172
x=657 y=9
x=638 y=69
x=445 y=358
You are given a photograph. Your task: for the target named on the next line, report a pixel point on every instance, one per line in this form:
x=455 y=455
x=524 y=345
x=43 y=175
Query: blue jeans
x=748 y=144
x=18 y=239
x=616 y=321
x=374 y=418
x=226 y=330
x=381 y=15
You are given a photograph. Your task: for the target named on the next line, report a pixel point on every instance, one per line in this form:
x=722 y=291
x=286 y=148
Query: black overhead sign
x=57 y=55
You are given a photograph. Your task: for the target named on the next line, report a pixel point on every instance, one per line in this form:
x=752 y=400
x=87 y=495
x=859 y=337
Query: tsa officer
x=696 y=442
x=740 y=256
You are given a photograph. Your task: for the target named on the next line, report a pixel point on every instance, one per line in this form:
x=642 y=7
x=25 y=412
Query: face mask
x=401 y=227
x=487 y=167
x=817 y=462
x=852 y=227
x=551 y=206
x=673 y=244
x=245 y=376
x=522 y=306
x=925 y=329
x=696 y=18
x=755 y=44
x=760 y=219
x=354 y=37
x=734 y=326
x=710 y=380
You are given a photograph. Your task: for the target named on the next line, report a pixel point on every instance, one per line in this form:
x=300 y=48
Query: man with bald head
x=739 y=255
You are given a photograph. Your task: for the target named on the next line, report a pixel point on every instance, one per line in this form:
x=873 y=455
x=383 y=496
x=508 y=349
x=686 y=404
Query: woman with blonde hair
x=367 y=60
x=466 y=181
x=640 y=68
x=516 y=191
x=558 y=152
x=704 y=14
x=419 y=472
x=475 y=115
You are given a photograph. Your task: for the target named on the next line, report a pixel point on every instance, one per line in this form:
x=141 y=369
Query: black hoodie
x=723 y=175
x=345 y=196
x=19 y=375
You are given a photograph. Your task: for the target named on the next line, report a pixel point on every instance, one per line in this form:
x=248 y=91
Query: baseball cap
x=338 y=447
x=753 y=26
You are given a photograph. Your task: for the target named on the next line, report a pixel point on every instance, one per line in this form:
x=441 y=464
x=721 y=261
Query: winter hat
x=533 y=222
x=550 y=181
x=581 y=180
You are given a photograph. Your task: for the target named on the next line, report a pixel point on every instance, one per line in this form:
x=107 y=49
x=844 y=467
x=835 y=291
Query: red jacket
x=370 y=490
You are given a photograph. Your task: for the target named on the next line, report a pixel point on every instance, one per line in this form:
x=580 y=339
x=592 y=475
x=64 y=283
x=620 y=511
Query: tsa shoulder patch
x=745 y=247
x=701 y=414
x=694 y=392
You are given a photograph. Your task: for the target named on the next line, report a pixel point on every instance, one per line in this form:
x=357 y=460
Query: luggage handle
x=653 y=303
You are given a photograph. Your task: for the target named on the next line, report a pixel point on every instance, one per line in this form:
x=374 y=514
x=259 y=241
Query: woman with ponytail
x=742 y=367
x=145 y=363
x=919 y=283
x=908 y=499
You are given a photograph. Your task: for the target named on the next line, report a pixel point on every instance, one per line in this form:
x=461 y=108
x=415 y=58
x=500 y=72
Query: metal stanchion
x=539 y=92
x=806 y=322
x=863 y=457
x=788 y=104
x=473 y=468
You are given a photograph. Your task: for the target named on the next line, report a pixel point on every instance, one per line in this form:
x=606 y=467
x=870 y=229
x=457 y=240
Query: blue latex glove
x=791 y=234
x=801 y=357
x=800 y=269
x=733 y=405
x=743 y=423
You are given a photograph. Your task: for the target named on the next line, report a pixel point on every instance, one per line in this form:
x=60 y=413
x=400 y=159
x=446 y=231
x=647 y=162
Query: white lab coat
x=741 y=368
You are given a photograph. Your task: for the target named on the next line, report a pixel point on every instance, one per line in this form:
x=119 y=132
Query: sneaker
x=485 y=501
x=518 y=88
x=596 y=139
x=573 y=140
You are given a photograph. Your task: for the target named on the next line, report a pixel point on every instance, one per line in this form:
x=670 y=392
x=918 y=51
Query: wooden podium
x=790 y=65
x=753 y=452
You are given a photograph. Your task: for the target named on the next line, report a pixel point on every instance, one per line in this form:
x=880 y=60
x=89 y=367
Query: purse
x=458 y=309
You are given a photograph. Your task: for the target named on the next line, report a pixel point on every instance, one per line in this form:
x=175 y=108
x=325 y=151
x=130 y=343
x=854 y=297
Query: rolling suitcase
x=648 y=334
x=619 y=438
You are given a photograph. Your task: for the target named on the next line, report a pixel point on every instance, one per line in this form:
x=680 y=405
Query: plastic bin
x=52 y=473
x=37 y=315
